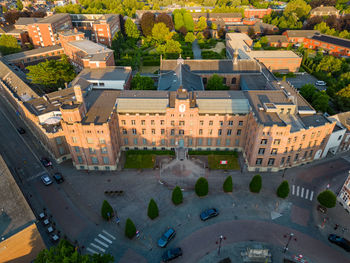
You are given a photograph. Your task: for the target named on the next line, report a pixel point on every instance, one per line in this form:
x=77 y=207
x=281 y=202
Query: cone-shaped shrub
x=327 y=198
x=130 y=229
x=201 y=187
x=106 y=210
x=228 y=186
x=177 y=196
x=283 y=189
x=152 y=209
x=255 y=184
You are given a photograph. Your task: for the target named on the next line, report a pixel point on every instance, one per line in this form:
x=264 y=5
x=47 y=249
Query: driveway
x=304 y=78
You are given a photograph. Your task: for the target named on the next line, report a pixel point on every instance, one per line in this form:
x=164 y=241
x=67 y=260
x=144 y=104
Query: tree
x=147 y=23
x=177 y=196
x=178 y=21
x=171 y=46
x=130 y=229
x=251 y=32
x=142 y=83
x=106 y=210
x=66 y=252
x=190 y=37
x=19 y=5
x=264 y=41
x=183 y=30
x=201 y=24
x=255 y=184
x=160 y=33
x=283 y=189
x=216 y=83
x=299 y=7
x=131 y=29
x=257 y=45
x=228 y=185
x=152 y=209
x=201 y=187
x=53 y=73
x=327 y=198
x=320 y=101
x=188 y=22
x=166 y=19
x=308 y=91
x=329 y=64
x=8 y=45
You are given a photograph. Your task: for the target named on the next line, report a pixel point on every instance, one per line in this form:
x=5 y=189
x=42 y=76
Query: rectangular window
x=77 y=149
x=58 y=140
x=126 y=142
x=143 y=131
x=143 y=122
x=261 y=151
x=172 y=142
x=221 y=123
x=190 y=142
x=318 y=134
x=295 y=139
x=105 y=160
x=162 y=131
x=311 y=152
x=61 y=150
x=200 y=141
x=271 y=161
x=210 y=132
x=274 y=151
x=102 y=141
x=312 y=135
x=230 y=123
x=162 y=122
x=94 y=160
x=172 y=123
x=74 y=139
x=200 y=132
x=237 y=142
x=135 y=141
x=282 y=160
x=181 y=123
x=133 y=122
x=104 y=150
x=172 y=132
x=305 y=154
x=125 y=131
x=181 y=132
x=80 y=160
x=303 y=138
x=289 y=140
x=153 y=131
x=152 y=122
x=218 y=142
x=296 y=157
x=162 y=141
x=89 y=140
x=240 y=123
x=258 y=161
x=220 y=132
x=201 y=123
x=210 y=123
x=229 y=132
x=134 y=131
x=288 y=159
x=144 y=141
x=228 y=142
x=209 y=141
x=239 y=132
x=276 y=141
x=263 y=141
x=91 y=150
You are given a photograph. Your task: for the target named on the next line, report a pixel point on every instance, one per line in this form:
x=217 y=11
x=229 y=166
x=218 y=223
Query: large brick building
x=257 y=13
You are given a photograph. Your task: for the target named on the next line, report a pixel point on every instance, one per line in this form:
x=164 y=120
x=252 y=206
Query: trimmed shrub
x=283 y=190
x=201 y=187
x=255 y=184
x=152 y=209
x=228 y=186
x=106 y=210
x=177 y=196
x=327 y=198
x=130 y=229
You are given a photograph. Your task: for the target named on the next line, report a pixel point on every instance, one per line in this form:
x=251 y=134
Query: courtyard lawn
x=214 y=162
x=143 y=159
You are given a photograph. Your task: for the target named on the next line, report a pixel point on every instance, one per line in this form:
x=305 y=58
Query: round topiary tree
x=255 y=184
x=177 y=196
x=106 y=210
x=130 y=229
x=152 y=209
x=228 y=185
x=201 y=187
x=283 y=189
x=327 y=198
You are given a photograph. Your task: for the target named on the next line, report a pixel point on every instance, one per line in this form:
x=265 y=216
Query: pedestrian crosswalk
x=101 y=243
x=302 y=192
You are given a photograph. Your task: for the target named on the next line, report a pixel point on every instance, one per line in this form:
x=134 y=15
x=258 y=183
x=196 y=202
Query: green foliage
x=130 y=229
x=106 y=210
x=257 y=45
x=166 y=19
x=308 y=91
x=264 y=41
x=52 y=73
x=66 y=252
x=208 y=54
x=160 y=33
x=329 y=64
x=19 y=5
x=152 y=209
x=188 y=22
x=171 y=46
x=327 y=198
x=233 y=153
x=318 y=99
x=177 y=196
x=283 y=189
x=201 y=187
x=147 y=23
x=255 y=184
x=8 y=45
x=298 y=7
x=216 y=83
x=142 y=83
x=178 y=21
x=131 y=29
x=201 y=24
x=228 y=185
x=190 y=37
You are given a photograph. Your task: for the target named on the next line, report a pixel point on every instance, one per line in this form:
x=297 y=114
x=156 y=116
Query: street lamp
x=221 y=237
x=289 y=239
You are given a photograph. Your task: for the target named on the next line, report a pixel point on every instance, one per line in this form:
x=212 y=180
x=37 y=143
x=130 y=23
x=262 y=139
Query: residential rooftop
x=89 y=47
x=52 y=19
x=32 y=53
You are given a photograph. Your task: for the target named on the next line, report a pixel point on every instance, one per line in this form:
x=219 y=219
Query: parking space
x=304 y=78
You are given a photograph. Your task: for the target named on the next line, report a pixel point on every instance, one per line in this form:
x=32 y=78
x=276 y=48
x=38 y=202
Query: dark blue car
x=166 y=237
x=340 y=241
x=209 y=213
x=172 y=254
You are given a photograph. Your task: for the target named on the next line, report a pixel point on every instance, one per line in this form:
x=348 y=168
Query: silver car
x=46 y=179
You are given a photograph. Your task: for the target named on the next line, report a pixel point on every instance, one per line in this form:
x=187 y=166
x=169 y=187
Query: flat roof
x=272 y=54
x=301 y=33
x=332 y=40
x=24 y=21
x=52 y=19
x=33 y=52
x=89 y=47
x=253 y=82
x=108 y=73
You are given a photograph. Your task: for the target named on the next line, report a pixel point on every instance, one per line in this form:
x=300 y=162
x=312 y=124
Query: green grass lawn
x=142 y=159
x=214 y=162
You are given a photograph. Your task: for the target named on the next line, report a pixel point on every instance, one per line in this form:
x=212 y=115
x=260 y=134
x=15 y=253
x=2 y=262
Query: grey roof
x=33 y=52
x=223 y=106
x=220 y=94
x=143 y=94
x=332 y=40
x=142 y=105
x=301 y=33
x=253 y=82
x=216 y=15
x=108 y=73
x=277 y=38
x=314 y=120
x=89 y=47
x=23 y=21
x=52 y=19
x=180 y=77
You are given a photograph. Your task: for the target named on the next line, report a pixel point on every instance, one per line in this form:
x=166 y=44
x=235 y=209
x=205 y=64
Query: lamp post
x=291 y=235
x=221 y=237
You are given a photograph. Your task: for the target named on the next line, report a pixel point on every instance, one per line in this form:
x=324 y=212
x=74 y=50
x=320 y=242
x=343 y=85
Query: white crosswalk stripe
x=101 y=243
x=302 y=192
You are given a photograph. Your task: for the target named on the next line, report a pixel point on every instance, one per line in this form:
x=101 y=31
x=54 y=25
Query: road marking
x=103 y=237
x=293 y=188
x=35 y=176
x=307 y=193
x=302 y=192
x=102 y=243
x=298 y=190
x=99 y=248
x=311 y=195
x=108 y=234
x=92 y=251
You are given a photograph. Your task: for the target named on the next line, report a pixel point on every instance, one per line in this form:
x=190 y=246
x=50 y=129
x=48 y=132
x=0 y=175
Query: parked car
x=46 y=179
x=320 y=83
x=21 y=130
x=166 y=237
x=340 y=241
x=46 y=162
x=209 y=213
x=172 y=254
x=58 y=178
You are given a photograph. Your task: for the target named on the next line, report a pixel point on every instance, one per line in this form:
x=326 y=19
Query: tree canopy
x=298 y=7
x=166 y=19
x=161 y=33
x=215 y=82
x=8 y=45
x=131 y=29
x=190 y=37
x=139 y=82
x=327 y=198
x=147 y=23
x=171 y=46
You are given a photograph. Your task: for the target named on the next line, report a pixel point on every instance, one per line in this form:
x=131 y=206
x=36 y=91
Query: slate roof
x=342 y=42
x=52 y=19
x=301 y=33
x=33 y=52
x=108 y=73
x=277 y=38
x=24 y=21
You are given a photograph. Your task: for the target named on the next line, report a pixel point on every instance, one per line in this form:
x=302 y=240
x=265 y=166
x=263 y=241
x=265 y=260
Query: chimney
x=78 y=94
x=235 y=56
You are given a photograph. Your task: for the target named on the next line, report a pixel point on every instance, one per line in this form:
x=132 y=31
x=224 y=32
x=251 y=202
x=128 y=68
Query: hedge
x=155 y=152
x=234 y=153
x=255 y=184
